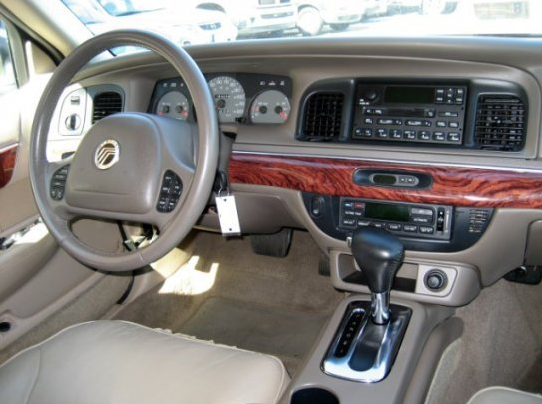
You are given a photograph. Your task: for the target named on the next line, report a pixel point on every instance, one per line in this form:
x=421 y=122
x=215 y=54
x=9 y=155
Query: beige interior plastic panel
x=392 y=389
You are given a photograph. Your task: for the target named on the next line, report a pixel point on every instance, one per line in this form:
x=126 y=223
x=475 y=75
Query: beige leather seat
x=119 y=362
x=504 y=395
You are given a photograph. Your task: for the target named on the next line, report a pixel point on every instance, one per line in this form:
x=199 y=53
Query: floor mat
x=286 y=334
x=265 y=304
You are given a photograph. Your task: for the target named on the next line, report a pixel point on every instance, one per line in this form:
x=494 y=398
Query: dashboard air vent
x=500 y=123
x=322 y=118
x=105 y=104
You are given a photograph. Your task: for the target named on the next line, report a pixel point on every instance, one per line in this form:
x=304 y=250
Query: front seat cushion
x=504 y=395
x=120 y=362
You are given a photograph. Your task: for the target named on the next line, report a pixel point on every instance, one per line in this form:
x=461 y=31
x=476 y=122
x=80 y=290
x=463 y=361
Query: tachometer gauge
x=271 y=106
x=229 y=98
x=174 y=105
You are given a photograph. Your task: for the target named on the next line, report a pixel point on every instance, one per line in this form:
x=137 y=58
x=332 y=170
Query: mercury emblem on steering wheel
x=107 y=154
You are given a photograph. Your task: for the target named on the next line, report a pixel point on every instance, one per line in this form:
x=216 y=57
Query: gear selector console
x=370 y=333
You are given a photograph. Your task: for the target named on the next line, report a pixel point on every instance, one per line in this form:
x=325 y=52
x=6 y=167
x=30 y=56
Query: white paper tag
x=227 y=214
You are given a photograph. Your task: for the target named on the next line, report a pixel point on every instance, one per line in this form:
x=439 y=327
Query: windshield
x=119 y=8
x=206 y=21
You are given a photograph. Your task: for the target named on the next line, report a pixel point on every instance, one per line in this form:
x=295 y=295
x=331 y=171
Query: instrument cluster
x=239 y=98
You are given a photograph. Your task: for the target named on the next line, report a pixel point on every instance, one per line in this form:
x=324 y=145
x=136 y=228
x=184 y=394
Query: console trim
x=452 y=185
x=390 y=336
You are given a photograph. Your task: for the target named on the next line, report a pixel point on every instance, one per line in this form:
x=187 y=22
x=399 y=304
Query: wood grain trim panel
x=457 y=186
x=8 y=157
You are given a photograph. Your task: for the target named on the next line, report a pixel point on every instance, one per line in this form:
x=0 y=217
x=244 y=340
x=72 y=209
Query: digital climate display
x=382 y=211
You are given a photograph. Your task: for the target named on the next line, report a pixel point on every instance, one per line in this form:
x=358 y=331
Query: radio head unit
x=410 y=113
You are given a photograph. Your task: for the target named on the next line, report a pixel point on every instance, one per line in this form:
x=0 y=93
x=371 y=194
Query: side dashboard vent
x=500 y=123
x=105 y=104
x=322 y=117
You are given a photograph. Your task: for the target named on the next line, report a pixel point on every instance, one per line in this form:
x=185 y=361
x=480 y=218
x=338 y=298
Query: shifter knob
x=379 y=254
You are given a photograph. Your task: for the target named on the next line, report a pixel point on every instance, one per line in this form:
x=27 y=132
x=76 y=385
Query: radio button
x=453 y=124
x=410 y=228
x=426 y=230
x=460 y=92
x=359 y=205
x=453 y=137
x=396 y=134
x=424 y=135
x=413 y=122
x=448 y=114
x=368 y=121
x=397 y=121
x=409 y=134
x=348 y=204
x=439 y=99
x=378 y=225
x=357 y=132
x=439 y=136
x=430 y=113
x=459 y=100
x=349 y=213
x=440 y=91
x=421 y=212
x=378 y=111
x=364 y=223
x=366 y=133
x=382 y=133
x=382 y=121
x=441 y=124
x=394 y=227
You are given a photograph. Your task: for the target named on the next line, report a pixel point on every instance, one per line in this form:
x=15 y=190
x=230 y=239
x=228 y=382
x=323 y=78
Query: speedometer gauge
x=271 y=106
x=174 y=105
x=229 y=98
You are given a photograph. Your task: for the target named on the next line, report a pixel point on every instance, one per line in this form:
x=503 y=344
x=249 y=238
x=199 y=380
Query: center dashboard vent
x=322 y=117
x=500 y=123
x=105 y=104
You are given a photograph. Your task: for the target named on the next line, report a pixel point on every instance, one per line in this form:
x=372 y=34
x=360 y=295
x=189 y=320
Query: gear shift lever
x=366 y=345
x=379 y=254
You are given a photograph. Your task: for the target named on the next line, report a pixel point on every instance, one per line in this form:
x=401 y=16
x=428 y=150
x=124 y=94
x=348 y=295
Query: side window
x=7 y=73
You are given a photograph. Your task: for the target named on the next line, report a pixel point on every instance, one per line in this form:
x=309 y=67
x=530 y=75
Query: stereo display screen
x=409 y=95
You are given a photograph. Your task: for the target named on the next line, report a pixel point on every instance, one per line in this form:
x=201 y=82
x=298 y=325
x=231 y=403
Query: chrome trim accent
x=107 y=154
x=390 y=336
x=395 y=161
x=9 y=147
x=380 y=307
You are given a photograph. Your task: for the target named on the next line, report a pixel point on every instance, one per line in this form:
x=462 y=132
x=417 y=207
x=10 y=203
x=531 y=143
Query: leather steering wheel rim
x=197 y=192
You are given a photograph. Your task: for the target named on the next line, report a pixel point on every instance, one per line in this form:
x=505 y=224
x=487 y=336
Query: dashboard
x=440 y=146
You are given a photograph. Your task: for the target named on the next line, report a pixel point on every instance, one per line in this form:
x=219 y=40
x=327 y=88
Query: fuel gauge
x=270 y=107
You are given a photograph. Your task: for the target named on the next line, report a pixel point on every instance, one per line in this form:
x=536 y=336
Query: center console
x=488 y=115
x=431 y=114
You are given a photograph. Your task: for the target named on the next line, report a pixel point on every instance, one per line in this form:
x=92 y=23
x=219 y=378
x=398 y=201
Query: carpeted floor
x=287 y=334
x=228 y=294
x=501 y=345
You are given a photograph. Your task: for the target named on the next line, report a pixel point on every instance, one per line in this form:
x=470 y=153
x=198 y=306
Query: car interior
x=292 y=220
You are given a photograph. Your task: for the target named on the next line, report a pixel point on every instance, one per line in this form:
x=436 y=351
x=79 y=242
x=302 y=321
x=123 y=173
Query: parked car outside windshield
x=201 y=21
x=185 y=26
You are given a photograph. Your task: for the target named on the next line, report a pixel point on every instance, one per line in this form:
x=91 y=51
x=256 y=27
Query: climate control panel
x=423 y=221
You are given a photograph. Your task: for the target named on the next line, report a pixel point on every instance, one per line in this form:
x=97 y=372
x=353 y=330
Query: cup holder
x=314 y=395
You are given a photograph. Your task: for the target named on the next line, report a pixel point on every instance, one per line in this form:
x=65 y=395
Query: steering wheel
x=129 y=166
